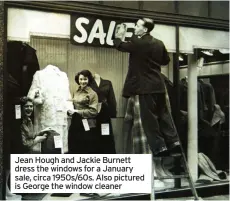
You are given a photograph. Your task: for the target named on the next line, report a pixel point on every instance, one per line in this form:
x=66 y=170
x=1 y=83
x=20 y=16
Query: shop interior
x=206 y=71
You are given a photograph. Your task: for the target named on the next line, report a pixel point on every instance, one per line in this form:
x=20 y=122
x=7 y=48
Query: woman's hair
x=24 y=100
x=87 y=74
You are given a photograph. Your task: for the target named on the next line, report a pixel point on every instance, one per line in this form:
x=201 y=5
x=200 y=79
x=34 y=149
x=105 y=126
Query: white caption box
x=112 y=173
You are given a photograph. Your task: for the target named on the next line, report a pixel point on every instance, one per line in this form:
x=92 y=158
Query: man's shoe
x=164 y=153
x=175 y=150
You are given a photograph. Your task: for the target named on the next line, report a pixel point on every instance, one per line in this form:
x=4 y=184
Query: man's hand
x=120 y=31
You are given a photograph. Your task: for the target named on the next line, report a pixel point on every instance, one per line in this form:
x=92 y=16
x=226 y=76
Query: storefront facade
x=51 y=27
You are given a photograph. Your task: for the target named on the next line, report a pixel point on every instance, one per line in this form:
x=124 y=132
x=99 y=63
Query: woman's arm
x=29 y=141
x=26 y=140
x=91 y=111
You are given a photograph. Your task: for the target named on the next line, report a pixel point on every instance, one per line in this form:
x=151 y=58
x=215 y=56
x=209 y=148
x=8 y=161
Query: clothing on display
x=22 y=63
x=209 y=99
x=48 y=145
x=209 y=112
x=218 y=115
x=52 y=98
x=106 y=96
x=202 y=107
x=208 y=170
x=211 y=119
x=105 y=92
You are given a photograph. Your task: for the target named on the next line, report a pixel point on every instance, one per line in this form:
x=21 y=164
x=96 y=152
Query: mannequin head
x=27 y=106
x=84 y=78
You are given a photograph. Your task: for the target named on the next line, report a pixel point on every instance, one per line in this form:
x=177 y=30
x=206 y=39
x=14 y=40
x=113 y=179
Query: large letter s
x=81 y=29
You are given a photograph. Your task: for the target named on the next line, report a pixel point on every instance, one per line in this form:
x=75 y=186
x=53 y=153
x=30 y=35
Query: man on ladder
x=145 y=89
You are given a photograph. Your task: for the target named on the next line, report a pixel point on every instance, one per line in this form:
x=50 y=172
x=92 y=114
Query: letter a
x=94 y=34
x=98 y=169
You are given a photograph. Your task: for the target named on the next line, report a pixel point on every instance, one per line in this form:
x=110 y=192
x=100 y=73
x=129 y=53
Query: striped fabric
x=133 y=127
x=133 y=130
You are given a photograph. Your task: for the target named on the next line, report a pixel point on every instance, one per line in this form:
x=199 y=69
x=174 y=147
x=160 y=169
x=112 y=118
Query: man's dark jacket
x=147 y=54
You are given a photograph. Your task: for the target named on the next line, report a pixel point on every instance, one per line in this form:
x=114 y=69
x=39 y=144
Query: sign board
x=96 y=31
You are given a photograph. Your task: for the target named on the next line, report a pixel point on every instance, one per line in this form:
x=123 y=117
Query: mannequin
x=51 y=85
x=107 y=103
x=97 y=79
x=106 y=93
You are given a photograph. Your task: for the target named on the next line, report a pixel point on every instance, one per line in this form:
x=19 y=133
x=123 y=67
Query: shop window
x=194 y=8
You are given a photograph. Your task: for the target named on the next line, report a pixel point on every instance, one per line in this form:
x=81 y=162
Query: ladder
x=177 y=176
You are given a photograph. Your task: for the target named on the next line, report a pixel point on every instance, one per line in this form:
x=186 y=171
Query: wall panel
x=219 y=9
x=51 y=51
x=193 y=8
x=122 y=4
x=159 y=6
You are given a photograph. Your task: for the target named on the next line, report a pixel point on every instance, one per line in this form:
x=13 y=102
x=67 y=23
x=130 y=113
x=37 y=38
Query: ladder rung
x=172 y=177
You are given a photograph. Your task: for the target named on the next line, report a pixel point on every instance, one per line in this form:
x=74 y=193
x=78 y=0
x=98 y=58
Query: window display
x=90 y=93
x=211 y=116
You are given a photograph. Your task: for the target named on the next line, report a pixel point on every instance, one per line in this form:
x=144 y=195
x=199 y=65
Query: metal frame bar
x=109 y=11
x=5 y=78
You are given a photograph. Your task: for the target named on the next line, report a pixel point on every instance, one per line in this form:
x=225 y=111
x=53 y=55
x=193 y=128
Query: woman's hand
x=70 y=112
x=37 y=94
x=39 y=139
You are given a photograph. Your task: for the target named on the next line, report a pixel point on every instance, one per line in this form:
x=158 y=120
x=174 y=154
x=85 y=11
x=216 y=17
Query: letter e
x=129 y=25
